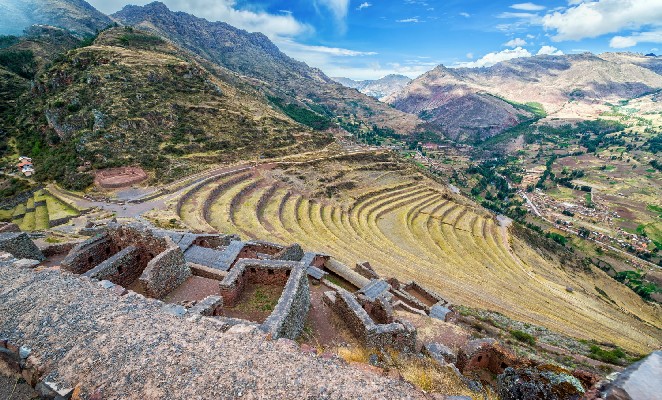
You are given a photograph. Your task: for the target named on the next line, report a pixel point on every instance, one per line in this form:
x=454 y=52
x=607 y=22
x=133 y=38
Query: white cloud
x=223 y=10
x=465 y=14
x=292 y=46
x=495 y=57
x=550 y=51
x=364 y=5
x=528 y=7
x=523 y=15
x=517 y=42
x=621 y=42
x=408 y=20
x=470 y=56
x=337 y=7
x=588 y=19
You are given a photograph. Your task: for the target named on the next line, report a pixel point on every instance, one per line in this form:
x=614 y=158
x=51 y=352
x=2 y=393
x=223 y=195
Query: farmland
x=375 y=207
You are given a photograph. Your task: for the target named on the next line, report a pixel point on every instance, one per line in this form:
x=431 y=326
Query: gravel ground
x=127 y=347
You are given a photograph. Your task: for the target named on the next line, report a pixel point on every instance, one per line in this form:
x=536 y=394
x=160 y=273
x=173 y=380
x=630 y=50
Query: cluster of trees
x=634 y=280
x=493 y=175
x=303 y=115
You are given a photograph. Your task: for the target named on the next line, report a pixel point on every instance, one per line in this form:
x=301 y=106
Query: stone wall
x=88 y=254
x=289 y=315
x=266 y=272
x=139 y=236
x=20 y=245
x=207 y=272
x=400 y=334
x=122 y=268
x=165 y=272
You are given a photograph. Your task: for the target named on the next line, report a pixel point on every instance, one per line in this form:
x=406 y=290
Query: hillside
x=379 y=88
x=254 y=56
x=577 y=86
x=171 y=114
x=74 y=15
x=355 y=206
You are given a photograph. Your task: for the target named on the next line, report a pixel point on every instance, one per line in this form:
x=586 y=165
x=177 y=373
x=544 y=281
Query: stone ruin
x=155 y=263
x=138 y=262
x=114 y=178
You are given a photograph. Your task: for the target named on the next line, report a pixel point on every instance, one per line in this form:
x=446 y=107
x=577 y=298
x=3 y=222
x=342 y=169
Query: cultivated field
x=375 y=208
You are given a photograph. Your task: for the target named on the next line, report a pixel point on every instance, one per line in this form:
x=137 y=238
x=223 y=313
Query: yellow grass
x=412 y=232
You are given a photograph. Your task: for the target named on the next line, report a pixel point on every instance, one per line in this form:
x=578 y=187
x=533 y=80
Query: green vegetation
x=303 y=115
x=634 y=280
x=558 y=238
x=8 y=41
x=11 y=186
x=608 y=356
x=494 y=188
x=523 y=337
x=20 y=62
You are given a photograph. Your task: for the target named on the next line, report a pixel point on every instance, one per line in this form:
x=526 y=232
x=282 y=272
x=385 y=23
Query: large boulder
x=547 y=382
x=640 y=381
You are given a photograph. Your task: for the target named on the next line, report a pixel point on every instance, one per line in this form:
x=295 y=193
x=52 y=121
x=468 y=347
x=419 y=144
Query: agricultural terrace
x=377 y=208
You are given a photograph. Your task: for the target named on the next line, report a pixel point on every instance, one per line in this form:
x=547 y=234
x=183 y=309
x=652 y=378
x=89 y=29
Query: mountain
x=171 y=114
x=74 y=15
x=379 y=88
x=255 y=57
x=474 y=103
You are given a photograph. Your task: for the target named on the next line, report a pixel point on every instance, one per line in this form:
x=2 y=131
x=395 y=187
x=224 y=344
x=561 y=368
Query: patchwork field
x=371 y=207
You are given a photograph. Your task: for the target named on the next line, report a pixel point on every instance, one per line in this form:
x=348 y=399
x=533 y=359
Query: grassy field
x=410 y=227
x=39 y=212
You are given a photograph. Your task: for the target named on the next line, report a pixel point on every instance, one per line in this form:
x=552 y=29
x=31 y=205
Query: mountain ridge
x=254 y=56
x=563 y=86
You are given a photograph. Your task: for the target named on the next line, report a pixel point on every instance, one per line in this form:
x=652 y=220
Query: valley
x=437 y=233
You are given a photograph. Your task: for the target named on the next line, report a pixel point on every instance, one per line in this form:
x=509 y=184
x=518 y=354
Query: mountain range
x=381 y=88
x=474 y=103
x=251 y=93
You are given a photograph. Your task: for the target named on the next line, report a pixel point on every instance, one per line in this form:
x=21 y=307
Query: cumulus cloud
x=527 y=7
x=549 y=51
x=490 y=59
x=621 y=42
x=517 y=42
x=271 y=25
x=588 y=19
x=363 y=5
x=470 y=56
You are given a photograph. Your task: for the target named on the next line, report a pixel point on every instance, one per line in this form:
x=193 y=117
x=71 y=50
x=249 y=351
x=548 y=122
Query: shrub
x=608 y=356
x=523 y=337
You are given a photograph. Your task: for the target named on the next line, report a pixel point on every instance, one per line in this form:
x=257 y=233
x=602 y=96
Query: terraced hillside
x=40 y=212
x=371 y=207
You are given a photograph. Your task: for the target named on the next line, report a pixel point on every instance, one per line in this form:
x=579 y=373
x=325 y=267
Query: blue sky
x=367 y=39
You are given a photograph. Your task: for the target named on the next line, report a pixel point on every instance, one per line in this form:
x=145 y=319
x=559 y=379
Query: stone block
x=20 y=246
